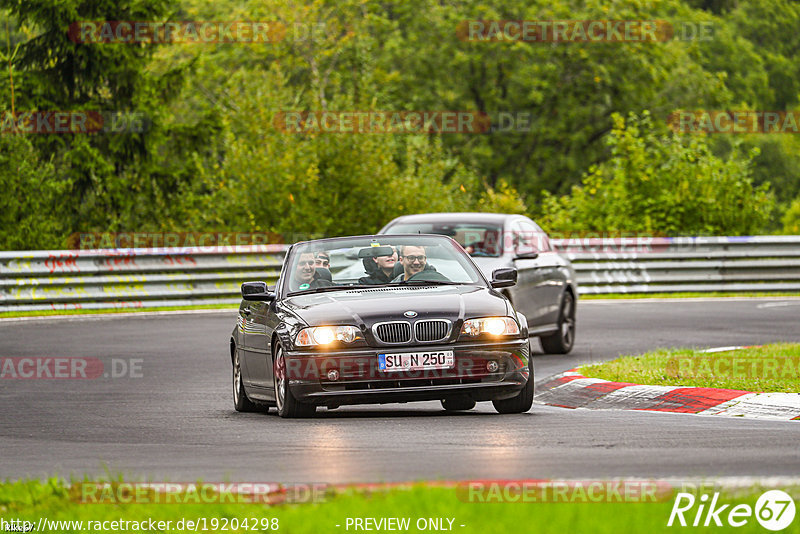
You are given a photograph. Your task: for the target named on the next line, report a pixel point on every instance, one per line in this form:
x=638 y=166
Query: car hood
x=369 y=306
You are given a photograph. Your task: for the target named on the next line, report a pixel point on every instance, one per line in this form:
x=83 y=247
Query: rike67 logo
x=774 y=511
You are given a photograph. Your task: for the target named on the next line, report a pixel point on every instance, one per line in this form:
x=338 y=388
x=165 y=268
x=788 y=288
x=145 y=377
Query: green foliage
x=791 y=218
x=213 y=158
x=31 y=205
x=490 y=507
x=501 y=199
x=659 y=182
x=688 y=367
x=127 y=181
x=771 y=25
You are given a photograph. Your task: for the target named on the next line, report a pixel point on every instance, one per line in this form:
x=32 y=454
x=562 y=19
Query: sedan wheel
x=240 y=401
x=562 y=341
x=523 y=401
x=454 y=404
x=287 y=405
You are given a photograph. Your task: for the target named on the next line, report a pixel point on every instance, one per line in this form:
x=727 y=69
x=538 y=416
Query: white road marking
x=777 y=304
x=121 y=315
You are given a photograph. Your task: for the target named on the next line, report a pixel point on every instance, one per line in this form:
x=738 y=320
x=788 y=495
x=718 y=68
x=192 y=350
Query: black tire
x=562 y=341
x=240 y=401
x=456 y=404
x=523 y=401
x=288 y=406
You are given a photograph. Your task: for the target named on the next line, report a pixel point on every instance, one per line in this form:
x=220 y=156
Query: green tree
x=791 y=218
x=659 y=182
x=31 y=202
x=771 y=27
x=116 y=181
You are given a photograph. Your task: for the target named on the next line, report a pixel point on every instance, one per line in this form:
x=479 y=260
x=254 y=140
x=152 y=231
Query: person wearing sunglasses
x=379 y=270
x=304 y=274
x=413 y=261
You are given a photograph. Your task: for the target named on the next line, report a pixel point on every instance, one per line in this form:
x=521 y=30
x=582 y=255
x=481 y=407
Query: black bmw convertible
x=380 y=319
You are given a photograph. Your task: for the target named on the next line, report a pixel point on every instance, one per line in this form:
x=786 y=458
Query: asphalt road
x=176 y=421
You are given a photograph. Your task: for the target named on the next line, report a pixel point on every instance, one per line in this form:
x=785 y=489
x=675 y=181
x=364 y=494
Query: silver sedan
x=546 y=290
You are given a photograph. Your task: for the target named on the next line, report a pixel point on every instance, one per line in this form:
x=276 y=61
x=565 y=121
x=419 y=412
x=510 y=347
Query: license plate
x=416 y=361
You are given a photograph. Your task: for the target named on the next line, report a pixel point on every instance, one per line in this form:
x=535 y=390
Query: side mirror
x=504 y=278
x=257 y=291
x=526 y=256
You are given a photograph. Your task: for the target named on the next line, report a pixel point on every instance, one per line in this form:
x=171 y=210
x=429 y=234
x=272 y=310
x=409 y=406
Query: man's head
x=322 y=259
x=386 y=263
x=413 y=261
x=305 y=268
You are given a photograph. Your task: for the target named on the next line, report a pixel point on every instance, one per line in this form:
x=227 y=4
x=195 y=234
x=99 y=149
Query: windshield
x=479 y=240
x=378 y=261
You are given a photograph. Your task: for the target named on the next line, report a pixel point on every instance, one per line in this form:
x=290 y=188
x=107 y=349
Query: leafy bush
x=31 y=210
x=659 y=182
x=791 y=218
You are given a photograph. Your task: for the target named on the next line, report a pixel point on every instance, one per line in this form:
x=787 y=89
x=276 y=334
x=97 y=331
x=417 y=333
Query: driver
x=413 y=261
x=304 y=274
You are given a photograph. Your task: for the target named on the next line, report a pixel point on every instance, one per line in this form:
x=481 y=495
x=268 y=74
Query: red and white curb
x=573 y=390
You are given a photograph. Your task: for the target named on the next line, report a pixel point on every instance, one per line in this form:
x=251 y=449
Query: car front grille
x=395 y=332
x=433 y=330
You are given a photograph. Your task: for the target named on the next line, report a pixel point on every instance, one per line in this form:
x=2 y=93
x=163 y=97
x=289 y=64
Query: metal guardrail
x=141 y=278
x=684 y=264
x=132 y=278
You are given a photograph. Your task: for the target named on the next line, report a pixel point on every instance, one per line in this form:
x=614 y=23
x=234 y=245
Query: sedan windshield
x=479 y=240
x=385 y=260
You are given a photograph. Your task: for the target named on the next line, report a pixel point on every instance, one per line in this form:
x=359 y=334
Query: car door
x=242 y=325
x=551 y=277
x=257 y=339
x=529 y=293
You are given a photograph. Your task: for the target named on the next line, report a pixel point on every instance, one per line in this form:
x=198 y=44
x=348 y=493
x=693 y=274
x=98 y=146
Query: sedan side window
x=524 y=240
x=530 y=238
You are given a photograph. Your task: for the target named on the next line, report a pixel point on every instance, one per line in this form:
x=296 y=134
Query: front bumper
x=360 y=381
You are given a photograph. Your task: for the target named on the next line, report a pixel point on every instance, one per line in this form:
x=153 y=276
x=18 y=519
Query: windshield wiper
x=325 y=289
x=430 y=282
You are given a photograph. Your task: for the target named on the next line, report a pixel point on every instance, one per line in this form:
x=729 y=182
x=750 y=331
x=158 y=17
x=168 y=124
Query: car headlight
x=495 y=326
x=325 y=335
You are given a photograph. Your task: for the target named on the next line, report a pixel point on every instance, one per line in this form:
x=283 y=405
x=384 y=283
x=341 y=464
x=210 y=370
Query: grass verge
x=771 y=368
x=697 y=294
x=35 y=501
x=615 y=296
x=50 y=313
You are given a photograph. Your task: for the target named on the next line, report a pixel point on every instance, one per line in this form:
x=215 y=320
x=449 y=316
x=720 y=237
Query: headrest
x=323 y=274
